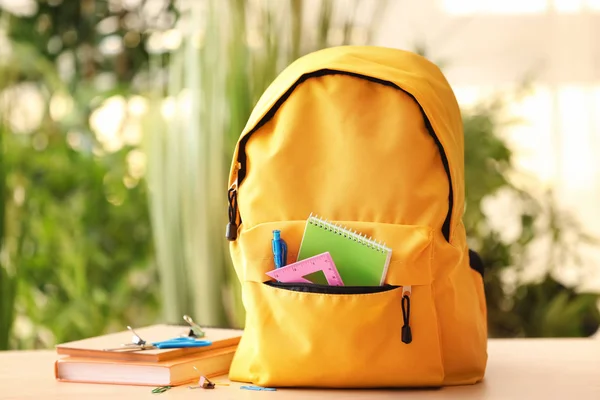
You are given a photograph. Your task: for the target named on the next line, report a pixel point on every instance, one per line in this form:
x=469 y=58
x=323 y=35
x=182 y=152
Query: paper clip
x=252 y=387
x=195 y=329
x=161 y=389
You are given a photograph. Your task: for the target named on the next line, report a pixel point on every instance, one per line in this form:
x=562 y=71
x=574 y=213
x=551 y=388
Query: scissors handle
x=180 y=344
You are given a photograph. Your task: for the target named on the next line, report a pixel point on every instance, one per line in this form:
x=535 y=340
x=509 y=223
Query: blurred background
x=118 y=120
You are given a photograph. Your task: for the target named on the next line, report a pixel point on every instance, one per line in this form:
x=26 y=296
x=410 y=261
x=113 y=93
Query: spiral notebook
x=360 y=261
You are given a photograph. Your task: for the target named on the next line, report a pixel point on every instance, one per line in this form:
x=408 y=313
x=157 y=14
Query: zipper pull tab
x=406 y=332
x=232 y=227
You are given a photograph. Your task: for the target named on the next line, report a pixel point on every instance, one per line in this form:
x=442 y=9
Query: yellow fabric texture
x=350 y=143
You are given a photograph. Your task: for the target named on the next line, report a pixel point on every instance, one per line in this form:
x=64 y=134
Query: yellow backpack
x=370 y=138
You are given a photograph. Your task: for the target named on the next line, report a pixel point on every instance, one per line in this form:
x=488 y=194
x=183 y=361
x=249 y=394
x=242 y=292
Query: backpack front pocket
x=338 y=336
x=347 y=336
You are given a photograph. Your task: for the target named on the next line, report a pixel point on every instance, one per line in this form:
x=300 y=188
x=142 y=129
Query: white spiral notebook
x=361 y=261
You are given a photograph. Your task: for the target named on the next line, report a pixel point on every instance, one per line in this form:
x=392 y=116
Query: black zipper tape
x=323 y=72
x=326 y=289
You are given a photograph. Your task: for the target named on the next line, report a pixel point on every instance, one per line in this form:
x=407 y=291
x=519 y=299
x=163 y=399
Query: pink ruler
x=295 y=272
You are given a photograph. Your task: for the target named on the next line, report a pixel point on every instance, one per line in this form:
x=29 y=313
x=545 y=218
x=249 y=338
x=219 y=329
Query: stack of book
x=88 y=360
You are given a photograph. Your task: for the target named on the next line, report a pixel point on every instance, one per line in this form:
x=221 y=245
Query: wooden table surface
x=517 y=369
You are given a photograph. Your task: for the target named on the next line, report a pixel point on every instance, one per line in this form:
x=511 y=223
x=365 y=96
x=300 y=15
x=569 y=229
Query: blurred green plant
x=75 y=237
x=231 y=51
x=8 y=279
x=24 y=60
x=517 y=307
x=76 y=241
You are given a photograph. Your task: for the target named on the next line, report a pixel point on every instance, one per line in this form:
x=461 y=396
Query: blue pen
x=279 y=249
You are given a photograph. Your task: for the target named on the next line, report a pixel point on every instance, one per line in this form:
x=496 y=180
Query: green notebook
x=360 y=261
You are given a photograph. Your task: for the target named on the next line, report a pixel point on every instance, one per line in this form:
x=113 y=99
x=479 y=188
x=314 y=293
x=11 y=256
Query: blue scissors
x=178 y=343
x=137 y=343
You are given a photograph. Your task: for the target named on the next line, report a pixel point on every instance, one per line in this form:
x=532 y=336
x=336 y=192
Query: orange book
x=95 y=347
x=120 y=372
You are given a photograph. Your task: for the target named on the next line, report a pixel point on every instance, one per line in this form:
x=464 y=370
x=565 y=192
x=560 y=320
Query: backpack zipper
x=406 y=333
x=232 y=224
x=327 y=289
x=241 y=161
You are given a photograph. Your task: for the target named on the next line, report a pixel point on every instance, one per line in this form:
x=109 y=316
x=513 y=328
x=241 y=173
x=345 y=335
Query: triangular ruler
x=294 y=273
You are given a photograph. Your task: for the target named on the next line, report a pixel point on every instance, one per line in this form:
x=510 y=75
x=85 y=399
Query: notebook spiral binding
x=344 y=231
